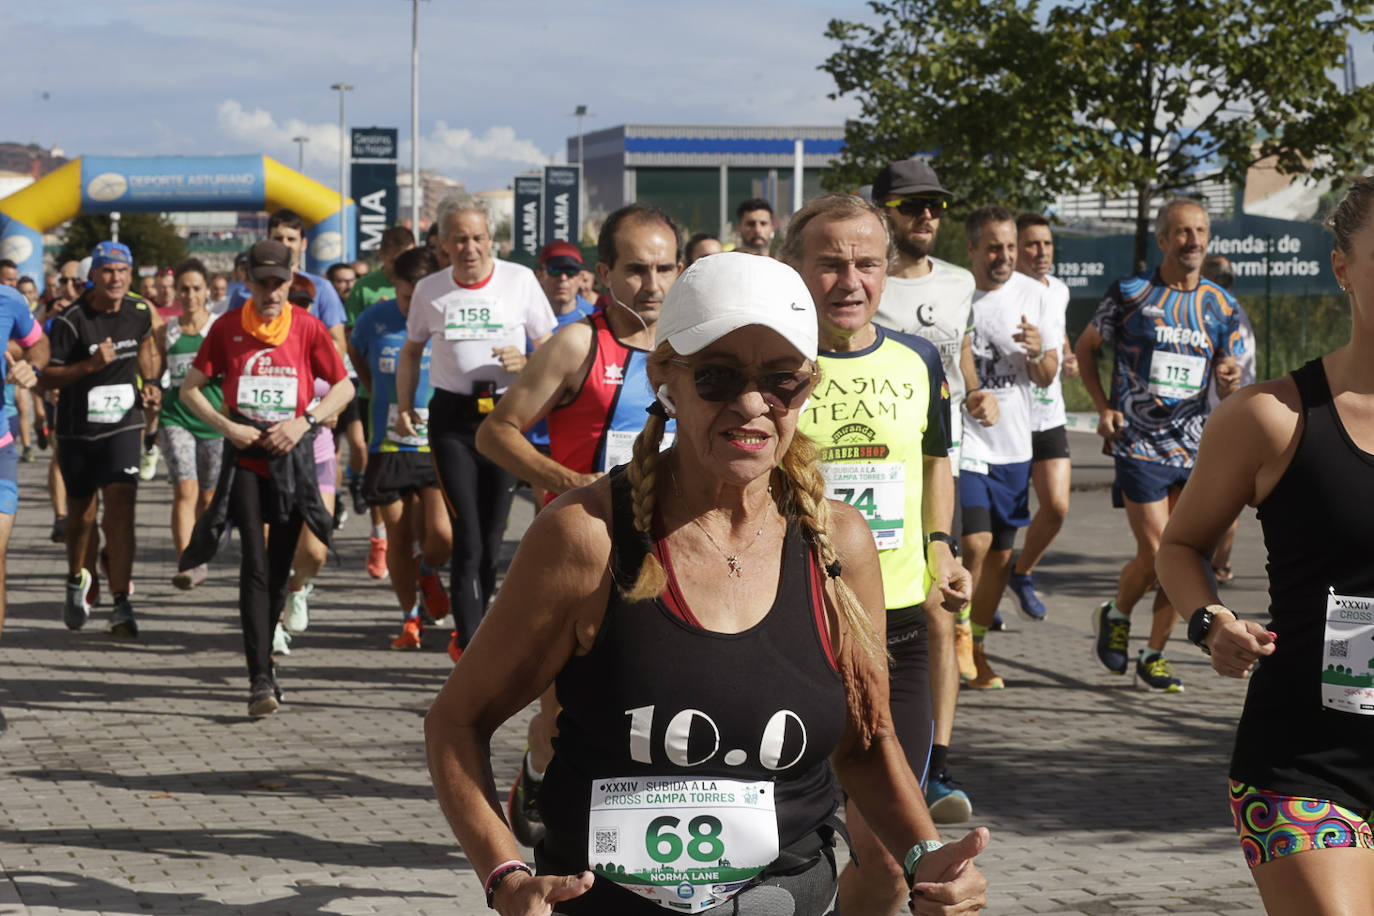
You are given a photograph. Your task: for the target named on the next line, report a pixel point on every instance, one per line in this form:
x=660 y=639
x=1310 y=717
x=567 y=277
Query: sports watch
x=312 y=420
x=943 y=538
x=913 y=857
x=1200 y=624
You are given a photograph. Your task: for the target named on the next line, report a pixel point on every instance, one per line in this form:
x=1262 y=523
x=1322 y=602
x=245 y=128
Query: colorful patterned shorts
x=1272 y=825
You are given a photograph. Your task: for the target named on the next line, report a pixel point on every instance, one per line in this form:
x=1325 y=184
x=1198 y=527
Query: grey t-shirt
x=938 y=307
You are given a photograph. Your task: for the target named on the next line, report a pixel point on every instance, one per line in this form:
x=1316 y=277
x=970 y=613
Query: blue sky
x=498 y=80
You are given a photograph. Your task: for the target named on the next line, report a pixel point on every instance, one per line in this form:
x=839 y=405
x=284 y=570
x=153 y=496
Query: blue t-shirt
x=1166 y=343
x=378 y=334
x=324 y=303
x=16 y=323
x=539 y=432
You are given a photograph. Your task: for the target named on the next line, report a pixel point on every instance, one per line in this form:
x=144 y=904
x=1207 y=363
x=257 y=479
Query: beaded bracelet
x=498 y=876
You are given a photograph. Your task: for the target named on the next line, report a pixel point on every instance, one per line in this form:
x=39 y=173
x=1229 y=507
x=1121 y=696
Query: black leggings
x=909 y=686
x=479 y=494
x=266 y=567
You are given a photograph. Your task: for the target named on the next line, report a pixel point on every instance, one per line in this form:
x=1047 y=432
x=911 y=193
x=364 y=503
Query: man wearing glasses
x=934 y=299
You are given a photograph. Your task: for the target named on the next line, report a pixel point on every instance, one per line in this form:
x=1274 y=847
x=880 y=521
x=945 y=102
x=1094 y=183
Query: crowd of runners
x=806 y=458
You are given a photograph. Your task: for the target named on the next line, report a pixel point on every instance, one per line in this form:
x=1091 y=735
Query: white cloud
x=454 y=151
x=457 y=150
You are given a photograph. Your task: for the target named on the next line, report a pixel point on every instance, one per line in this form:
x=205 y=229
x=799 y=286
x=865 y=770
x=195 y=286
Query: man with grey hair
x=1174 y=331
x=880 y=419
x=479 y=315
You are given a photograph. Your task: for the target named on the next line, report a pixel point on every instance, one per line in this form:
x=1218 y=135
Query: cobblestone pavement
x=131 y=780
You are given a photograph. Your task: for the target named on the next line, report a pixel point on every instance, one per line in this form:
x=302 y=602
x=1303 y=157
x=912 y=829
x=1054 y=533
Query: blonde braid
x=642 y=470
x=805 y=500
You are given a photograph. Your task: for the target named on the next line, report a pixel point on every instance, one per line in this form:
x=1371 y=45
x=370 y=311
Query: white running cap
x=724 y=292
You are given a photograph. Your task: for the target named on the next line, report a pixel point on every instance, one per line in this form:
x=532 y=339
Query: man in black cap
x=934 y=299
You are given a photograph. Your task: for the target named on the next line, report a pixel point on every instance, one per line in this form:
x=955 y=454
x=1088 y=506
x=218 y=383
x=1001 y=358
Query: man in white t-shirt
x=479 y=316
x=1050 y=468
x=1009 y=312
x=934 y=299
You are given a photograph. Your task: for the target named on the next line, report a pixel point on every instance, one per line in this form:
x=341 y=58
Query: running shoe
x=58 y=534
x=1157 y=674
x=262 y=697
x=522 y=807
x=190 y=578
x=26 y=455
x=147 y=465
x=410 y=635
x=963 y=651
x=340 y=515
x=947 y=804
x=998 y=625
x=93 y=596
x=1113 y=638
x=376 y=557
x=455 y=652
x=281 y=641
x=1023 y=587
x=434 y=598
x=122 y=621
x=984 y=677
x=296 y=616
x=76 y=610
x=40 y=432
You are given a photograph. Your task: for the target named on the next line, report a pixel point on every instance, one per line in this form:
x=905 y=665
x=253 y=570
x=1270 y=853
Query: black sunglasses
x=915 y=206
x=563 y=271
x=717 y=382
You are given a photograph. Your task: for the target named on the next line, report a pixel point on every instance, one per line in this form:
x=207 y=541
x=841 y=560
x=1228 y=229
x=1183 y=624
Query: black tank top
x=1319 y=532
x=764 y=704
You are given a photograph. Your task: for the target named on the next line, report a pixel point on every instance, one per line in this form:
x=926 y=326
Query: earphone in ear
x=666 y=399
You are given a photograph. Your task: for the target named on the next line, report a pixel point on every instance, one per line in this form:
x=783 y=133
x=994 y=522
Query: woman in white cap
x=713 y=625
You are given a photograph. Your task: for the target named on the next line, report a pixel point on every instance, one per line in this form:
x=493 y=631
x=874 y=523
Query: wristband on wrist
x=944 y=538
x=498 y=876
x=1035 y=359
x=913 y=857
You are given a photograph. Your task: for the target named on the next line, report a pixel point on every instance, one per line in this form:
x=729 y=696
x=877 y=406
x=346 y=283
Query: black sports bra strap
x=1313 y=389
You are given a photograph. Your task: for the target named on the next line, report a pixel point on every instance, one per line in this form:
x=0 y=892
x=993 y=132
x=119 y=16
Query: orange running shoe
x=376 y=557
x=984 y=678
x=963 y=652
x=410 y=635
x=432 y=590
x=454 y=652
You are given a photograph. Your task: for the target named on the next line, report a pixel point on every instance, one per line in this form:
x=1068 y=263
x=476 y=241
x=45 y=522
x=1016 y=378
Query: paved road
x=132 y=782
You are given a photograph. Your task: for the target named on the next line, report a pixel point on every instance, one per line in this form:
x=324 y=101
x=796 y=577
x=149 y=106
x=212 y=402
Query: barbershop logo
x=852 y=442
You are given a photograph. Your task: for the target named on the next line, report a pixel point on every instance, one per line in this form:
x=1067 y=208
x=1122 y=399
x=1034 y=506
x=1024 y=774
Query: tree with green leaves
x=1015 y=103
x=150 y=236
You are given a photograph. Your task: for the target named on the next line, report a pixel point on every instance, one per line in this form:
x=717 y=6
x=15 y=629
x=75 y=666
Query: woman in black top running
x=716 y=665
x=1301 y=450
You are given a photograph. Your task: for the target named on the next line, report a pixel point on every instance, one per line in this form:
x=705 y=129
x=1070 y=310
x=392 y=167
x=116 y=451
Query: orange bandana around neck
x=269 y=332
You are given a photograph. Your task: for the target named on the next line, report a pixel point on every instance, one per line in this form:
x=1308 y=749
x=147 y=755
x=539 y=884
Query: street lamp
x=343 y=89
x=415 y=118
x=580 y=112
x=300 y=146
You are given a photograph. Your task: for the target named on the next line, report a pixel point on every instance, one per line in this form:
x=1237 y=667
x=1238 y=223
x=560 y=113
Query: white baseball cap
x=731 y=290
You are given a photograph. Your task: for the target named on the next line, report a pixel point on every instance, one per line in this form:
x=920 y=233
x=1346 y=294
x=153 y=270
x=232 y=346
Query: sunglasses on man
x=568 y=272
x=915 y=206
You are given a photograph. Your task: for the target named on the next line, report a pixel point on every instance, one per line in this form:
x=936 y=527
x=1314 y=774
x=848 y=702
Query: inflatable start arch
x=160 y=184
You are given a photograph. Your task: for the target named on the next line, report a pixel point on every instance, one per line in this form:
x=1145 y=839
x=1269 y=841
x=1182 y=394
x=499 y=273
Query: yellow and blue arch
x=160 y=184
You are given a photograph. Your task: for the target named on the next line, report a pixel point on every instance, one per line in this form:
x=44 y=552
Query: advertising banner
x=529 y=197
x=171 y=183
x=562 y=203
x=1282 y=257
x=373 y=182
